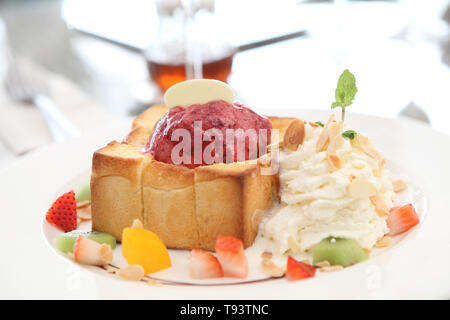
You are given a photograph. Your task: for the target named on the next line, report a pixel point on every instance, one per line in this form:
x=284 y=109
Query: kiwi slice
x=339 y=251
x=83 y=194
x=65 y=241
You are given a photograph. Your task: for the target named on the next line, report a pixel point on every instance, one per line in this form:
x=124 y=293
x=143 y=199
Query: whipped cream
x=318 y=201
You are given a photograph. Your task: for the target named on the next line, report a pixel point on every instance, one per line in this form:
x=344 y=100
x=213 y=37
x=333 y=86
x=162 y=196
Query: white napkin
x=23 y=127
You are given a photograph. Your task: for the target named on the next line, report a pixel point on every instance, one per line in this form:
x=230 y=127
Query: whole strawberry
x=63 y=212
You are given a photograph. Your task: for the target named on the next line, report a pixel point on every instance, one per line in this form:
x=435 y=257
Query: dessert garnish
x=143 y=247
x=132 y=272
x=87 y=251
x=231 y=255
x=271 y=269
x=349 y=134
x=345 y=91
x=63 y=212
x=84 y=212
x=383 y=242
x=339 y=251
x=319 y=123
x=297 y=270
x=83 y=194
x=65 y=241
x=204 y=265
x=399 y=185
x=294 y=135
x=230 y=261
x=401 y=219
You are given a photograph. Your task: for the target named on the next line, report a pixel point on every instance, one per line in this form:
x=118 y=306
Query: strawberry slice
x=230 y=252
x=63 y=212
x=87 y=251
x=401 y=219
x=298 y=270
x=204 y=265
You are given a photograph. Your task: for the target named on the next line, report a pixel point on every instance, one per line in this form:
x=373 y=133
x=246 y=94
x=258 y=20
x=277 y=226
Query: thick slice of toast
x=116 y=187
x=230 y=200
x=169 y=204
x=186 y=208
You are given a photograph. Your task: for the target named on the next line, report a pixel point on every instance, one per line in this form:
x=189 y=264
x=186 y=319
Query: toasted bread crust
x=169 y=204
x=150 y=117
x=186 y=208
x=138 y=137
x=281 y=124
x=166 y=176
x=116 y=187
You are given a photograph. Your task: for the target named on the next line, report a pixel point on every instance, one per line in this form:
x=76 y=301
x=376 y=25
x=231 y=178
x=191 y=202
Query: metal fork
x=28 y=86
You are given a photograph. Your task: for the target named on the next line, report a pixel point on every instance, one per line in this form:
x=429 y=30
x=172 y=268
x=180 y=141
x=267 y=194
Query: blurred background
x=68 y=66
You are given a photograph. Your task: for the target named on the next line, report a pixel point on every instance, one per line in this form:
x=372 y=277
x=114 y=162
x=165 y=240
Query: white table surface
x=6 y=156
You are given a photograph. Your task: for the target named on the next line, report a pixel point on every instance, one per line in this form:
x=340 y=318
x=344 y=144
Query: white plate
x=417 y=266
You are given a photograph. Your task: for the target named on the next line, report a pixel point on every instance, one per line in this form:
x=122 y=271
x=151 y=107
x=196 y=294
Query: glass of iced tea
x=189 y=45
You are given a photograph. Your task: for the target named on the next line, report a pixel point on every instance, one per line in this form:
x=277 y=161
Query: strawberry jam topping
x=222 y=126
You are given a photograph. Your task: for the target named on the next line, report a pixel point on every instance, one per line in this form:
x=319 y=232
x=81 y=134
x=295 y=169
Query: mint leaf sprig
x=345 y=91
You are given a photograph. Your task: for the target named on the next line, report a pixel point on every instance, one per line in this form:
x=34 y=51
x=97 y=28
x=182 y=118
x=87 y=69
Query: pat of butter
x=197 y=91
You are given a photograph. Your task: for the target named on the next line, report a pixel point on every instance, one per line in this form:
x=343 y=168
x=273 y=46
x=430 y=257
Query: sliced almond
x=335 y=130
x=83 y=204
x=324 y=136
x=306 y=262
x=294 y=135
x=361 y=188
x=380 y=205
x=361 y=141
x=322 y=141
x=85 y=213
x=399 y=185
x=384 y=242
x=370 y=150
x=335 y=162
x=133 y=272
x=271 y=269
x=322 y=264
x=331 y=268
x=106 y=253
x=137 y=224
x=266 y=255
x=367 y=250
x=336 y=141
x=334 y=145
